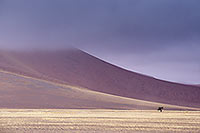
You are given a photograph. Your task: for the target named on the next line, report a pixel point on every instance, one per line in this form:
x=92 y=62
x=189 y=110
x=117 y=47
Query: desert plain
x=97 y=120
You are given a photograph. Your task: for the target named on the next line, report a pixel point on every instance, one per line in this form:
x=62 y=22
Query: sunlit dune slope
x=78 y=68
x=18 y=91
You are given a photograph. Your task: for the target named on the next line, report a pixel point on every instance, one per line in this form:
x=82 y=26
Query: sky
x=160 y=38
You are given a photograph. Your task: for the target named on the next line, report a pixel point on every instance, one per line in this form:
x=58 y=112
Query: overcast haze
x=160 y=38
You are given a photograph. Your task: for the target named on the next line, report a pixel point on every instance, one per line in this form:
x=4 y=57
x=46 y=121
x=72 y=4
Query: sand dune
x=19 y=91
x=77 y=68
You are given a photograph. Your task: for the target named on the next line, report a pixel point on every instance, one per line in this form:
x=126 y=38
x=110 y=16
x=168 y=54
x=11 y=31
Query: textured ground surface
x=19 y=121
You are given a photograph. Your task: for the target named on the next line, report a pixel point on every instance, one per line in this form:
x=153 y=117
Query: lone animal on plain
x=160 y=109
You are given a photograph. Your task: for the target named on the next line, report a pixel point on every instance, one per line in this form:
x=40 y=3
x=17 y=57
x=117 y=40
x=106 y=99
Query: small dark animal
x=160 y=109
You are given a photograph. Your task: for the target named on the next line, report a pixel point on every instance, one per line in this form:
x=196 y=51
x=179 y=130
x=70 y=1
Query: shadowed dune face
x=18 y=91
x=78 y=68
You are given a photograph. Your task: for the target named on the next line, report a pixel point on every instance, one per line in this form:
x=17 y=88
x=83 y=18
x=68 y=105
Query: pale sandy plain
x=97 y=120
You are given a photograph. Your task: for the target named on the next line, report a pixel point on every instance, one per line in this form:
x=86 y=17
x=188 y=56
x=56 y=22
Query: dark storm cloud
x=144 y=32
x=137 y=24
x=1 y=4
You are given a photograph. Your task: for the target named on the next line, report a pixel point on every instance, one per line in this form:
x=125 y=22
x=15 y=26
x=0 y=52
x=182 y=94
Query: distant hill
x=77 y=68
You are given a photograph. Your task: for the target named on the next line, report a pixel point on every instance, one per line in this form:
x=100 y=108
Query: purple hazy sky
x=160 y=38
